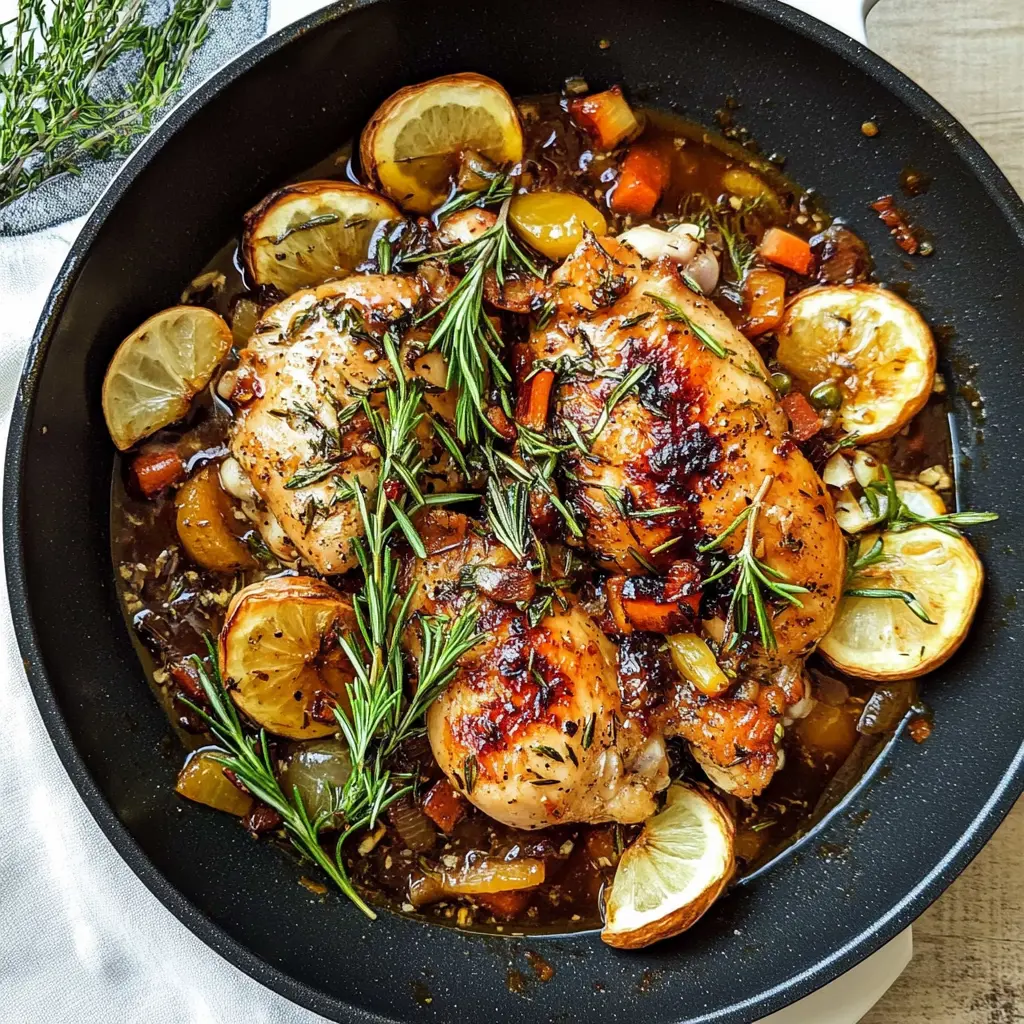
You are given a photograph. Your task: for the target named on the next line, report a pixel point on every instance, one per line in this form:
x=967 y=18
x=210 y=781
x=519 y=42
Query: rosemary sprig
x=507 y=515
x=885 y=502
x=248 y=757
x=51 y=57
x=754 y=578
x=499 y=188
x=381 y=715
x=465 y=334
x=678 y=315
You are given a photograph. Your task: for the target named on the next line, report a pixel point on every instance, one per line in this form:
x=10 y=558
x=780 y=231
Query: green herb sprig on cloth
x=52 y=115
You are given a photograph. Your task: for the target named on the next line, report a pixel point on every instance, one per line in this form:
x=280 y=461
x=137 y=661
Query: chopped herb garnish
x=588 y=731
x=549 y=752
x=897 y=516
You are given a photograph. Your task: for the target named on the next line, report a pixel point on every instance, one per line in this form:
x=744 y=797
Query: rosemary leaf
x=678 y=315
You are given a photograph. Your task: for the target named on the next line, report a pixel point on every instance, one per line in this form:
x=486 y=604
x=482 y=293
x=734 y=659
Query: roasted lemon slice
x=674 y=870
x=883 y=637
x=871 y=343
x=311 y=232
x=279 y=655
x=159 y=368
x=412 y=145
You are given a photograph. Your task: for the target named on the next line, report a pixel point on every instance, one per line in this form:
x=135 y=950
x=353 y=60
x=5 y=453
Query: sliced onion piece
x=316 y=769
x=492 y=874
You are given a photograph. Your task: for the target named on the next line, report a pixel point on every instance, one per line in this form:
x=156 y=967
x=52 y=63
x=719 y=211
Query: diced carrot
x=786 y=250
x=765 y=299
x=805 y=422
x=505 y=905
x=534 y=399
x=648 y=606
x=644 y=176
x=651 y=616
x=156 y=468
x=444 y=805
x=606 y=116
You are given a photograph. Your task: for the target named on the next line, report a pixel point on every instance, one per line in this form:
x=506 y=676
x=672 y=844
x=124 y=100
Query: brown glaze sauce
x=170 y=602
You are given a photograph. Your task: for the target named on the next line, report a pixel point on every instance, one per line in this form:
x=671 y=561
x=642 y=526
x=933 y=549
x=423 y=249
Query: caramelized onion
x=489 y=874
x=412 y=825
x=887 y=707
x=316 y=769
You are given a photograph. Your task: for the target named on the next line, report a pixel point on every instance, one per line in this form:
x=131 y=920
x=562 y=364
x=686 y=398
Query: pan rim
x=982 y=167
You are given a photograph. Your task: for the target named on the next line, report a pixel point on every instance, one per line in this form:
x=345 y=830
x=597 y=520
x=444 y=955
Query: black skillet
x=804 y=90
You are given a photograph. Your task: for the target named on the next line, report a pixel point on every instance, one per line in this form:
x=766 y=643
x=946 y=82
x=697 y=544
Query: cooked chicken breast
x=298 y=384
x=532 y=729
x=701 y=431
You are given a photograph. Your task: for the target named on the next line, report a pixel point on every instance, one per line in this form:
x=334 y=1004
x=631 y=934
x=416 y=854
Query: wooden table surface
x=968 y=965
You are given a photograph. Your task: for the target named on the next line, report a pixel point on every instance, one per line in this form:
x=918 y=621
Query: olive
x=553 y=222
x=826 y=395
x=782 y=382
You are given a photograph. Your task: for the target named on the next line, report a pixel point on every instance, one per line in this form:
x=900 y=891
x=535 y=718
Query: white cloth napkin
x=81 y=938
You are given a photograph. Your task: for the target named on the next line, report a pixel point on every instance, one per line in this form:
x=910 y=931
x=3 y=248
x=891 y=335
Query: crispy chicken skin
x=702 y=431
x=311 y=356
x=534 y=716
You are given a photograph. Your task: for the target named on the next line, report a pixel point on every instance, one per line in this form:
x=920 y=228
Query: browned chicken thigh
x=700 y=434
x=532 y=728
x=299 y=435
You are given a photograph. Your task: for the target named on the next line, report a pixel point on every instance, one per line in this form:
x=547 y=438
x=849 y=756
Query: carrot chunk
x=534 y=399
x=644 y=177
x=786 y=250
x=444 y=806
x=505 y=905
x=606 y=116
x=805 y=422
x=156 y=468
x=764 y=295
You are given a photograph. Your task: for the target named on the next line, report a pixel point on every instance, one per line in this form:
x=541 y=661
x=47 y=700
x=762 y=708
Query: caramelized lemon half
x=871 y=343
x=412 y=144
x=159 y=368
x=674 y=870
x=279 y=655
x=882 y=637
x=311 y=232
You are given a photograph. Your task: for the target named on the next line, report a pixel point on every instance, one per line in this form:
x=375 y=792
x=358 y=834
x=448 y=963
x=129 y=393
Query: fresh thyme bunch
x=53 y=54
